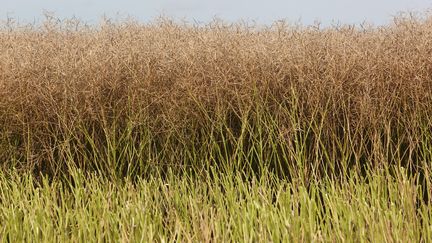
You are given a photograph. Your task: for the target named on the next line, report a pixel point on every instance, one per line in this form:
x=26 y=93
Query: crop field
x=178 y=132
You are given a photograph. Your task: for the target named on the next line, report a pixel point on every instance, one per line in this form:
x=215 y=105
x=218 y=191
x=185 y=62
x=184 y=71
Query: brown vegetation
x=355 y=94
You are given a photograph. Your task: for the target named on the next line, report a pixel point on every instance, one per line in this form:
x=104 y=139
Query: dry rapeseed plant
x=168 y=90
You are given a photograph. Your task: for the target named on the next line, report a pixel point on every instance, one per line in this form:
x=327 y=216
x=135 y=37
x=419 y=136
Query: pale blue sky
x=264 y=11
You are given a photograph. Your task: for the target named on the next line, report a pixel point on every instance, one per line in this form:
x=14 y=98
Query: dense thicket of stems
x=224 y=132
x=127 y=97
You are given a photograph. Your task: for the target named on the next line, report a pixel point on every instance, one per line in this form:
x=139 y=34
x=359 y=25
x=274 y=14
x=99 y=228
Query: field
x=167 y=131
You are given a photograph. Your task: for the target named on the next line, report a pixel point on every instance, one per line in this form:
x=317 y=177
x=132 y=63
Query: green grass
x=220 y=207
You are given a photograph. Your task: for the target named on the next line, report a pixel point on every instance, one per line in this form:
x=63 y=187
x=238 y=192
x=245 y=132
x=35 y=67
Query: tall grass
x=338 y=117
x=223 y=208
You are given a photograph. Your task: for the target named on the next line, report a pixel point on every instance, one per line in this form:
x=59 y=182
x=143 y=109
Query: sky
x=307 y=12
